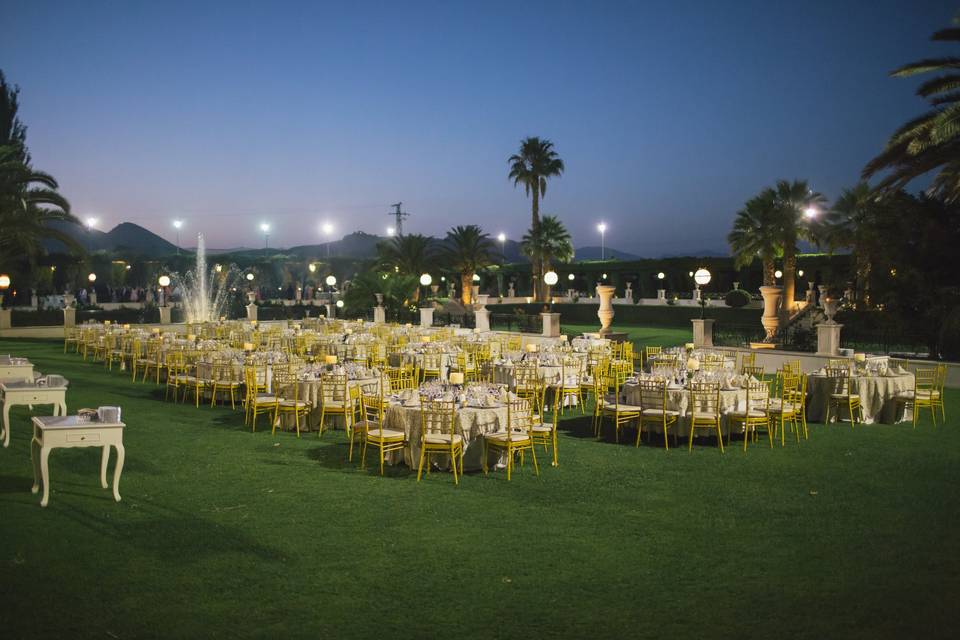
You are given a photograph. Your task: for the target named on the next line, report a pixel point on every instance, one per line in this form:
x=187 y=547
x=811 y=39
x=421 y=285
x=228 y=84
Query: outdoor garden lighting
x=91 y=222
x=266 y=233
x=661 y=275
x=164 y=281
x=176 y=225
x=551 y=278
x=604 y=276
x=426 y=279
x=501 y=238
x=602 y=228
x=778 y=274
x=800 y=273
x=327 y=228
x=570 y=277
x=218 y=268
x=391 y=231
x=476 y=277
x=4 y=281
x=250 y=277
x=339 y=304
x=810 y=213
x=312 y=267
x=690 y=274
x=331 y=280
x=92 y=277
x=702 y=277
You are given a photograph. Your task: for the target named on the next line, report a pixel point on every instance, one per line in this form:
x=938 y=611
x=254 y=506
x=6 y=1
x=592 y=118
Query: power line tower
x=399 y=215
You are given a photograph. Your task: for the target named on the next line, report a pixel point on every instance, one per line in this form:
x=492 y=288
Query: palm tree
x=410 y=254
x=536 y=162
x=755 y=234
x=930 y=142
x=468 y=249
x=550 y=240
x=793 y=199
x=852 y=223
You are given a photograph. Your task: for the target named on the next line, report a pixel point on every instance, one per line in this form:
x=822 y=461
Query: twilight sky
x=668 y=114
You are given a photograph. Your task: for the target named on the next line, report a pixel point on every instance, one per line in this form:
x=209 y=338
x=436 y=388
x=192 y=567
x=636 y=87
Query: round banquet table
x=678 y=399
x=877 y=396
x=309 y=392
x=471 y=422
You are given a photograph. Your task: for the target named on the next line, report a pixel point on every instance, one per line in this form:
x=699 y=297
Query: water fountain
x=204 y=293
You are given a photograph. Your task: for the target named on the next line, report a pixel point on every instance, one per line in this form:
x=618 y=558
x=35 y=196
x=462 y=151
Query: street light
x=92 y=277
x=331 y=280
x=661 y=275
x=778 y=274
x=571 y=277
x=164 y=281
x=327 y=228
x=602 y=228
x=339 y=304
x=810 y=213
x=702 y=278
x=250 y=277
x=266 y=233
x=176 y=225
x=502 y=239
x=91 y=222
x=426 y=279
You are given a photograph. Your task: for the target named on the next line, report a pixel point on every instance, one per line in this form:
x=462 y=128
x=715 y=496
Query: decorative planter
x=830 y=308
x=379 y=297
x=772 y=297
x=481 y=301
x=605 y=312
x=823 y=294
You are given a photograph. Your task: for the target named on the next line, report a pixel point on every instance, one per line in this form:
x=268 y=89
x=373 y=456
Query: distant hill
x=593 y=253
x=124 y=239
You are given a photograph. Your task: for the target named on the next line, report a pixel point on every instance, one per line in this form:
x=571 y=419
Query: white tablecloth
x=877 y=393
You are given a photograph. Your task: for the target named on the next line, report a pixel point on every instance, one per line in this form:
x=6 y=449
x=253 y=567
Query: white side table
x=51 y=432
x=29 y=393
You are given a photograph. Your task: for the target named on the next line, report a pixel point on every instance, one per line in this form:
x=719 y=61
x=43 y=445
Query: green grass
x=224 y=533
x=640 y=336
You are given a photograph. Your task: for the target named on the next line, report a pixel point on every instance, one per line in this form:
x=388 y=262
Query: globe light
x=476 y=277
x=810 y=213
x=551 y=278
x=426 y=279
x=177 y=224
x=661 y=275
x=4 y=281
x=778 y=274
x=391 y=231
x=250 y=277
x=604 y=276
x=164 y=281
x=264 y=227
x=501 y=238
x=312 y=267
x=690 y=274
x=702 y=277
x=339 y=304
x=331 y=280
x=800 y=273
x=443 y=278
x=571 y=277
x=92 y=277
x=218 y=268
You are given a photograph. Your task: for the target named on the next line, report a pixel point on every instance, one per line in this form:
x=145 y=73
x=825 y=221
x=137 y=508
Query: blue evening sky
x=668 y=114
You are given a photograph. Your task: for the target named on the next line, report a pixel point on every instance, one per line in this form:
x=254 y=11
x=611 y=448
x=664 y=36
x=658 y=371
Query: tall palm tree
x=466 y=250
x=792 y=201
x=532 y=167
x=852 y=223
x=755 y=234
x=411 y=255
x=550 y=240
x=930 y=142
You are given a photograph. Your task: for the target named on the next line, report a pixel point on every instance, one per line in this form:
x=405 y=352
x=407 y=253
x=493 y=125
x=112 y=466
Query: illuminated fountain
x=205 y=293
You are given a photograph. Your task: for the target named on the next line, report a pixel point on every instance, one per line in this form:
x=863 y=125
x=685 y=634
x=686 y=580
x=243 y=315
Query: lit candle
x=860 y=357
x=330 y=359
x=456 y=378
x=248 y=346
x=106 y=322
x=532 y=347
x=191 y=337
x=126 y=326
x=689 y=346
x=424 y=338
x=156 y=330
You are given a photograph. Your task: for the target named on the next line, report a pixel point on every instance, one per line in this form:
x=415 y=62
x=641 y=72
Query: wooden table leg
x=35 y=462
x=117 y=471
x=104 y=461
x=6 y=424
x=45 y=475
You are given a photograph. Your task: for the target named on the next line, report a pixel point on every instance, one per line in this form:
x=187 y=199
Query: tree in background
x=930 y=142
x=410 y=254
x=793 y=199
x=466 y=250
x=550 y=240
x=398 y=290
x=755 y=235
x=532 y=167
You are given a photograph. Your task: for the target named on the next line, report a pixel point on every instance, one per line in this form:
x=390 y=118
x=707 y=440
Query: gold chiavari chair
x=752 y=371
x=527 y=384
x=287 y=385
x=784 y=408
x=438 y=436
x=569 y=385
x=177 y=377
x=515 y=438
x=747 y=360
x=842 y=393
x=225 y=380
x=152 y=360
x=613 y=407
x=651 y=351
x=431 y=365
x=755 y=413
x=705 y=410
x=544 y=432
x=337 y=398
x=256 y=401
x=654 y=410
x=922 y=396
x=373 y=409
x=71 y=336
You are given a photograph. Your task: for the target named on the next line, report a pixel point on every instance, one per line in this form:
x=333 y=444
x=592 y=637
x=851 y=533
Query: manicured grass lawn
x=224 y=533
x=640 y=336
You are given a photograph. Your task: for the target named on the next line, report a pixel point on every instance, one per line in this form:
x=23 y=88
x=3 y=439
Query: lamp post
x=265 y=228
x=502 y=239
x=702 y=278
x=327 y=229
x=4 y=285
x=550 y=278
x=176 y=225
x=602 y=228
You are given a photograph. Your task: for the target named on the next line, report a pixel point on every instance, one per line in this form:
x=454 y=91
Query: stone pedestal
x=426 y=316
x=331 y=310
x=605 y=312
x=771 y=309
x=166 y=311
x=252 y=312
x=69 y=316
x=661 y=295
x=483 y=319
x=34 y=301
x=628 y=294
x=93 y=297
x=551 y=325
x=5 y=318
x=511 y=292
x=702 y=333
x=828 y=339
x=696 y=294
x=379 y=315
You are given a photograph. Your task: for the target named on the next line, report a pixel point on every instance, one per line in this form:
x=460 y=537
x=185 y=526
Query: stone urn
x=772 y=297
x=379 y=297
x=736 y=285
x=823 y=294
x=481 y=301
x=605 y=312
x=830 y=308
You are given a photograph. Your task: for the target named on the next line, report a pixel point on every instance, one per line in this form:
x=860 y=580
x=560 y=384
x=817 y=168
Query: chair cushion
x=844 y=396
x=516 y=437
x=543 y=428
x=660 y=412
x=442 y=438
x=290 y=404
x=379 y=433
x=753 y=413
x=262 y=399
x=704 y=415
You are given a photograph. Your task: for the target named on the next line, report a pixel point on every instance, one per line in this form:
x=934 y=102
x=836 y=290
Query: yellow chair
x=287 y=384
x=611 y=405
x=431 y=366
x=787 y=407
x=747 y=360
x=704 y=410
x=516 y=437
x=337 y=398
x=926 y=393
x=544 y=432
x=71 y=336
x=177 y=375
x=654 y=410
x=373 y=408
x=755 y=413
x=841 y=393
x=257 y=402
x=438 y=436
x=225 y=380
x=569 y=385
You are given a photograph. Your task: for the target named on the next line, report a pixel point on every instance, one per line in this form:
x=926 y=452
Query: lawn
x=225 y=533
x=640 y=336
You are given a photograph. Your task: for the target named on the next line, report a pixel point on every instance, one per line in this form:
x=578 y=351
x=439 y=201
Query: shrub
x=737 y=298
